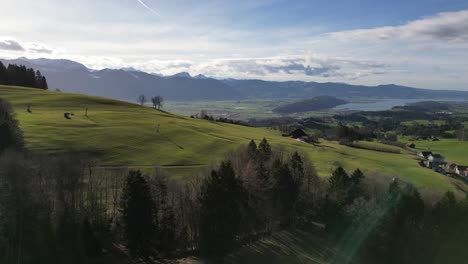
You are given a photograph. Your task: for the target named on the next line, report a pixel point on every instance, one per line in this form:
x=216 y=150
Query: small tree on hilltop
x=157 y=102
x=142 y=99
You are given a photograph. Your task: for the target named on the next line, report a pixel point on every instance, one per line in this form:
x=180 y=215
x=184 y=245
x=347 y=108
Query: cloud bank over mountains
x=228 y=40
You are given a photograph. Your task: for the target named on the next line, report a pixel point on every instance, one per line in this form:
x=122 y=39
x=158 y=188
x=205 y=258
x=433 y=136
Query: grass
x=452 y=149
x=286 y=247
x=423 y=122
x=124 y=134
x=376 y=146
x=241 y=110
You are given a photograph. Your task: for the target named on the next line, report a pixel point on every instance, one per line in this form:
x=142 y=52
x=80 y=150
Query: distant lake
x=384 y=104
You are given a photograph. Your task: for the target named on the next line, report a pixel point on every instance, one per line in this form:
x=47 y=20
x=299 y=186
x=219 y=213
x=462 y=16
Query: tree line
x=20 y=75
x=157 y=101
x=66 y=209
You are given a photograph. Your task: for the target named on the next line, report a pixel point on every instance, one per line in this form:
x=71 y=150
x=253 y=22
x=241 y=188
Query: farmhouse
x=462 y=171
x=298 y=133
x=451 y=167
x=434 y=161
x=424 y=154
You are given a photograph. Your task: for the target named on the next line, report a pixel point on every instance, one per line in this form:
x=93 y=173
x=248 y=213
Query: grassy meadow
x=124 y=134
x=452 y=149
x=240 y=110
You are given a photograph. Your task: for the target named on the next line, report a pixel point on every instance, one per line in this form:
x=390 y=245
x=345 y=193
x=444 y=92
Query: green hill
x=123 y=134
x=313 y=104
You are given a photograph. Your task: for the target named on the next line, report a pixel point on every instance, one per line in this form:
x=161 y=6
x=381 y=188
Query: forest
x=20 y=75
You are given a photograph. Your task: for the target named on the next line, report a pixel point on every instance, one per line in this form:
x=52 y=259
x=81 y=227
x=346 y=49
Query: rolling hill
x=313 y=104
x=124 y=134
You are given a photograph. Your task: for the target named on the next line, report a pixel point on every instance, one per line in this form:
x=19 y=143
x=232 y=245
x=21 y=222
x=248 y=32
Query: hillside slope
x=124 y=134
x=313 y=104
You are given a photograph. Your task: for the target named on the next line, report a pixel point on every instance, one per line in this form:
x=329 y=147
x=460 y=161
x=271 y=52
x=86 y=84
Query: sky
x=419 y=43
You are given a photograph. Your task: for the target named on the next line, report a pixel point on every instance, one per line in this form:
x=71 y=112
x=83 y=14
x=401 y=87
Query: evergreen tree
x=252 y=150
x=10 y=133
x=264 y=150
x=222 y=202
x=356 y=190
x=138 y=210
x=286 y=192
x=338 y=185
x=297 y=168
x=19 y=75
x=167 y=231
x=3 y=74
x=41 y=81
x=90 y=243
x=44 y=84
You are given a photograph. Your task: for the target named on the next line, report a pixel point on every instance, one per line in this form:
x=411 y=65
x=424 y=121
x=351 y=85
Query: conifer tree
x=222 y=202
x=264 y=150
x=137 y=208
x=10 y=133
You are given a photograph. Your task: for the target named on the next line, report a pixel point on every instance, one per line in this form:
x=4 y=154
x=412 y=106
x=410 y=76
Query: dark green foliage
x=166 y=237
x=137 y=209
x=222 y=201
x=10 y=134
x=338 y=185
x=316 y=103
x=356 y=189
x=91 y=244
x=342 y=191
x=3 y=74
x=286 y=191
x=49 y=212
x=252 y=150
x=22 y=76
x=297 y=168
x=264 y=150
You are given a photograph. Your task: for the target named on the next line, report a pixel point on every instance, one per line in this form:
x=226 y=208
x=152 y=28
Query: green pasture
x=123 y=134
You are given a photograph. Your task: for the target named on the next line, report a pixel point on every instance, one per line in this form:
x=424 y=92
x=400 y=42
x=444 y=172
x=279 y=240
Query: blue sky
x=421 y=43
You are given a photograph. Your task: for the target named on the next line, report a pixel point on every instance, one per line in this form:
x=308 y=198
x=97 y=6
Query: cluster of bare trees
x=157 y=101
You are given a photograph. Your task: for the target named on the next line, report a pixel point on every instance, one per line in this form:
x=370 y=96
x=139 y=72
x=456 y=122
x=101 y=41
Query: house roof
x=297 y=133
x=452 y=165
x=426 y=153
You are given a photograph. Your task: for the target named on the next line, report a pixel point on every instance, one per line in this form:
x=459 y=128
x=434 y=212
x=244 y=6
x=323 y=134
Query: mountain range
x=128 y=83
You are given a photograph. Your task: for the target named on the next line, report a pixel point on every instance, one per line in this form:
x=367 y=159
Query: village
x=438 y=163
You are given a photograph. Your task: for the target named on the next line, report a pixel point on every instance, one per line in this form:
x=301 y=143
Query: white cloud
x=38 y=48
x=10 y=44
x=201 y=37
x=443 y=27
x=273 y=68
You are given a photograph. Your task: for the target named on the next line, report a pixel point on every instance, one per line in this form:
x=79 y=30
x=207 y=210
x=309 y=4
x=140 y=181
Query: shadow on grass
x=286 y=247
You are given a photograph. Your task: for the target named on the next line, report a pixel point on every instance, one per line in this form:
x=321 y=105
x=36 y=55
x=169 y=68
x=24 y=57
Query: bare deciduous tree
x=157 y=102
x=142 y=99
